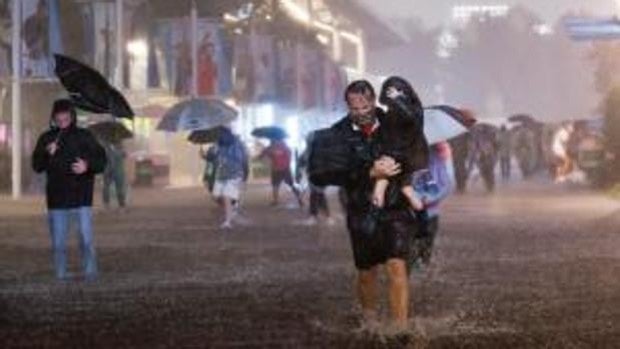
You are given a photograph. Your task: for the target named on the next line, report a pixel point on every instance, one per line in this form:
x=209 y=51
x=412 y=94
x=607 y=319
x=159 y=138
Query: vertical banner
x=310 y=79
x=55 y=32
x=263 y=61
x=214 y=69
x=214 y=57
x=175 y=38
x=98 y=36
x=287 y=75
x=35 y=39
x=334 y=85
x=244 y=70
x=225 y=64
x=5 y=38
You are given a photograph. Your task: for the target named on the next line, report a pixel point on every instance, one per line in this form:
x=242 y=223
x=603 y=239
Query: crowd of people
x=390 y=185
x=390 y=181
x=561 y=152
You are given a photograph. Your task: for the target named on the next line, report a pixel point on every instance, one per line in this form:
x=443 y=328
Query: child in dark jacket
x=401 y=137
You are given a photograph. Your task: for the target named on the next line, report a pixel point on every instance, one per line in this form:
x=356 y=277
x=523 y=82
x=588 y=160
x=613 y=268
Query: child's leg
x=414 y=200
x=378 y=194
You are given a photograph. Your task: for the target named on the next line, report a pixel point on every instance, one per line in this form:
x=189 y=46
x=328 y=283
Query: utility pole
x=194 y=39
x=336 y=42
x=118 y=73
x=16 y=116
x=361 y=52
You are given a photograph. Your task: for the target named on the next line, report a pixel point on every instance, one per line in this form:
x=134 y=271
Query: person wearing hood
x=70 y=157
x=433 y=186
x=231 y=172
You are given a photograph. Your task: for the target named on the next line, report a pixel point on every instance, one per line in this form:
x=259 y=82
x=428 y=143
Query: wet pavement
x=528 y=267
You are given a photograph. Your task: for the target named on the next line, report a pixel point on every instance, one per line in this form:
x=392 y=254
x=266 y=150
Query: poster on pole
x=5 y=38
x=213 y=60
x=244 y=70
x=311 y=78
x=264 y=67
x=287 y=79
x=214 y=68
x=335 y=82
x=41 y=37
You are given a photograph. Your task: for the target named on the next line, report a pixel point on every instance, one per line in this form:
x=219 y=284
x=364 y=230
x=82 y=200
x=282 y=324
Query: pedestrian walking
x=279 y=156
x=114 y=174
x=432 y=187
x=231 y=174
x=354 y=139
x=70 y=157
x=504 y=152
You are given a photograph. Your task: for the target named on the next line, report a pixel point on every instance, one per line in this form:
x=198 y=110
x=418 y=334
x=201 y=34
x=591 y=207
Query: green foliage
x=611 y=109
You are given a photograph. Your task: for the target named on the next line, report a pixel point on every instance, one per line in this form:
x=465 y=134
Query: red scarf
x=368 y=129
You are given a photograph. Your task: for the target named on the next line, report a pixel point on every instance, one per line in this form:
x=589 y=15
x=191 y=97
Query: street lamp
x=137 y=48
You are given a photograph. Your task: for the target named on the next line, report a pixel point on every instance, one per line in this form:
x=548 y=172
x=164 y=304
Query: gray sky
x=433 y=12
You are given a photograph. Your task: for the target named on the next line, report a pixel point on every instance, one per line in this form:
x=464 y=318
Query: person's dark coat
x=64 y=188
x=402 y=129
x=358 y=153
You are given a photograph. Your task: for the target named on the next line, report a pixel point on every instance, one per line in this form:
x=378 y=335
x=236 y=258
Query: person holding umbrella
x=71 y=157
x=207 y=140
x=232 y=171
x=279 y=155
x=318 y=200
x=112 y=134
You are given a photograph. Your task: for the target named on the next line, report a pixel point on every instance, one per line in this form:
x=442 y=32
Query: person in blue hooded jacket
x=231 y=172
x=432 y=187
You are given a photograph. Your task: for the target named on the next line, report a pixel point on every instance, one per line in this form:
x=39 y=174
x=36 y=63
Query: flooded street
x=530 y=266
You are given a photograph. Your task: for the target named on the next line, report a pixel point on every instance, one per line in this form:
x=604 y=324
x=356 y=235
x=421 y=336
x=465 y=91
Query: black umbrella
x=89 y=90
x=522 y=118
x=205 y=136
x=270 y=132
x=111 y=131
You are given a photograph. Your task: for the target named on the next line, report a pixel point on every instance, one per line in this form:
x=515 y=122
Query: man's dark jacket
x=66 y=189
x=343 y=156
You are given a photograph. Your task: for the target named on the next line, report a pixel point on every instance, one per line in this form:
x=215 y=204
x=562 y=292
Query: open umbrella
x=111 y=131
x=197 y=114
x=522 y=118
x=89 y=90
x=442 y=122
x=270 y=132
x=205 y=136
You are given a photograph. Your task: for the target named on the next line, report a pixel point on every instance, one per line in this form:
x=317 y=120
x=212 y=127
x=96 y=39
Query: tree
x=611 y=131
x=504 y=61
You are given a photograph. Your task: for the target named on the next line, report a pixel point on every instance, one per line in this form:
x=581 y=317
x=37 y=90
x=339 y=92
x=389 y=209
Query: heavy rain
x=309 y=174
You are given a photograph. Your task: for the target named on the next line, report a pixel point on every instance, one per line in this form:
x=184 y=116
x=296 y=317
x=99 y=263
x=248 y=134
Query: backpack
x=330 y=158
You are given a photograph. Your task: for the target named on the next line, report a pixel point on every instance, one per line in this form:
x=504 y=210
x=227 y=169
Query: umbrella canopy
x=443 y=122
x=111 y=131
x=197 y=114
x=89 y=90
x=522 y=118
x=270 y=132
x=205 y=136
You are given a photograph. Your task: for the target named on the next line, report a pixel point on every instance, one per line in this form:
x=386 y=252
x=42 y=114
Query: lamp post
x=16 y=119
